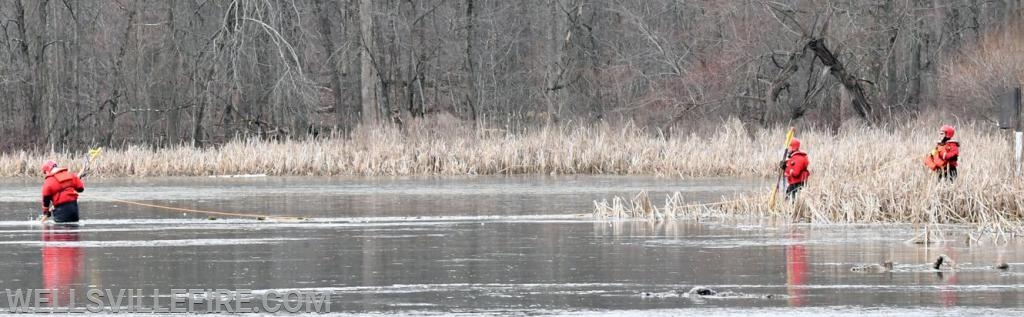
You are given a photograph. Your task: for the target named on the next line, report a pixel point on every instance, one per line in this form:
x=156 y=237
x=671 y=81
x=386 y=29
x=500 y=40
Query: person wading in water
x=60 y=193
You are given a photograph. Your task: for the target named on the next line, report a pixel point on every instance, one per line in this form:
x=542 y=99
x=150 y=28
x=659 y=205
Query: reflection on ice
x=148 y=243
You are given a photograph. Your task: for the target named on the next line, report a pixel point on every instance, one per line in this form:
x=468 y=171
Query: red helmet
x=794 y=145
x=947 y=130
x=48 y=166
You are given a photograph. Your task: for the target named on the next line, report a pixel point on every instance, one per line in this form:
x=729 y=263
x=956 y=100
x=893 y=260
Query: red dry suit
x=945 y=154
x=796 y=168
x=60 y=187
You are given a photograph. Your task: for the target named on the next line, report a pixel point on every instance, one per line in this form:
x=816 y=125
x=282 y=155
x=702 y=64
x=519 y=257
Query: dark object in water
x=1003 y=266
x=702 y=291
x=261 y=218
x=211 y=218
x=942 y=259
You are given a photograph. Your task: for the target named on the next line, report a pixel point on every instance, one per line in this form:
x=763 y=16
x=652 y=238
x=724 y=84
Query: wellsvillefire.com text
x=173 y=301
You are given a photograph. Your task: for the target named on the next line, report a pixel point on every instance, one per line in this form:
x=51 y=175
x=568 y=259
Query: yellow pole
x=785 y=154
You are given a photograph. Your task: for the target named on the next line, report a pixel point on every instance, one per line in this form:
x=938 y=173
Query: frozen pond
x=490 y=245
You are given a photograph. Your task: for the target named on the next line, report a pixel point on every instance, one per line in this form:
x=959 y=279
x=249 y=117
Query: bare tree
x=204 y=72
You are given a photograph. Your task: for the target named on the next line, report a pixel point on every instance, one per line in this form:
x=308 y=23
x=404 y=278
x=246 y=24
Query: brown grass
x=860 y=175
x=451 y=150
x=865 y=175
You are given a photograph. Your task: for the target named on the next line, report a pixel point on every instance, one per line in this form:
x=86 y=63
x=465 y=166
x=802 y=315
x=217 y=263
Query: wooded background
x=158 y=72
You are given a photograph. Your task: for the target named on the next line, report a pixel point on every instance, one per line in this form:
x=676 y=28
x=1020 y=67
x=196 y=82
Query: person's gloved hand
x=782 y=165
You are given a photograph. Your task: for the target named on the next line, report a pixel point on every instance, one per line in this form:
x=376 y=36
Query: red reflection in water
x=61 y=263
x=796 y=269
x=947 y=292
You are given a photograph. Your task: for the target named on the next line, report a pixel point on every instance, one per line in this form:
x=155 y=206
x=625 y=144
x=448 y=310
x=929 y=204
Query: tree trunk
x=368 y=71
x=914 y=70
x=892 y=80
x=171 y=133
x=342 y=118
x=851 y=83
x=352 y=32
x=557 y=64
x=33 y=53
x=119 y=87
x=471 y=93
x=42 y=82
x=394 y=83
x=76 y=73
x=28 y=86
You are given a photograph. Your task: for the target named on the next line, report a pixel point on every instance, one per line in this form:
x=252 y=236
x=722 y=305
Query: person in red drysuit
x=795 y=169
x=60 y=193
x=943 y=158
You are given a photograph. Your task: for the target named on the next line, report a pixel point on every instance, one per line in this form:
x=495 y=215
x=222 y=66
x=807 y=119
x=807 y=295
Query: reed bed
x=453 y=150
x=866 y=175
x=641 y=207
x=859 y=174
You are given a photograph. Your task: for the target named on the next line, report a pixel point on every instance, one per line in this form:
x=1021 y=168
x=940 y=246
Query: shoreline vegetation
x=851 y=156
x=871 y=175
x=859 y=174
x=452 y=149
